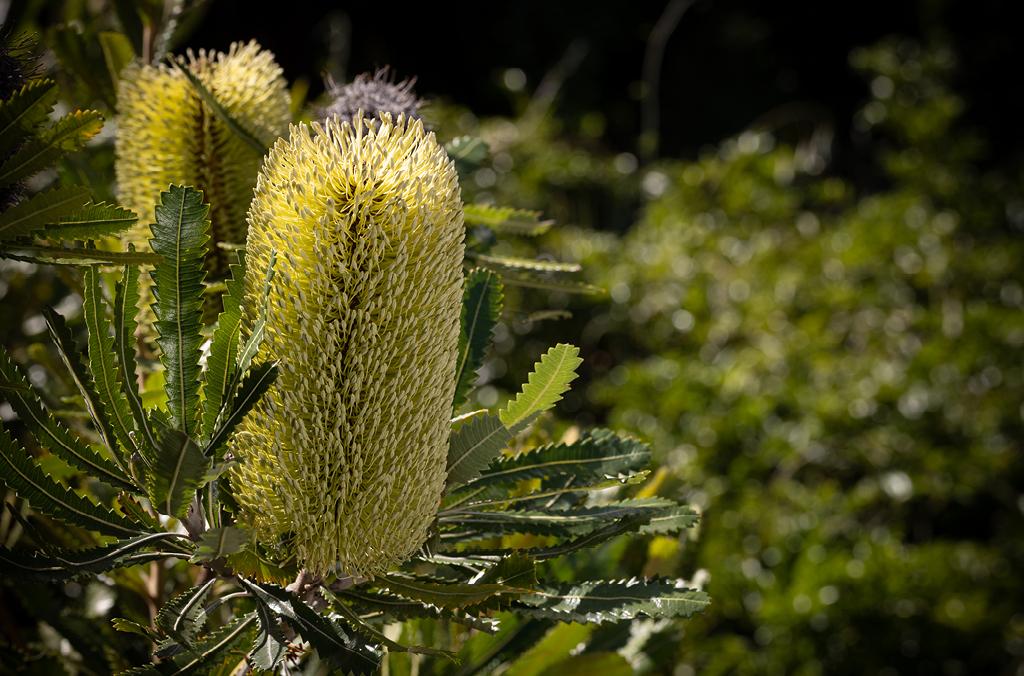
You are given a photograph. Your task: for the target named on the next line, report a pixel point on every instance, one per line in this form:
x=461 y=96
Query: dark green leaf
x=216 y=543
x=111 y=400
x=440 y=593
x=91 y=221
x=271 y=644
x=481 y=307
x=255 y=384
x=64 y=565
x=49 y=431
x=25 y=110
x=184 y=616
x=68 y=134
x=40 y=210
x=215 y=645
x=597 y=601
x=180 y=237
x=505 y=264
x=20 y=473
x=359 y=626
x=178 y=469
x=126 y=307
x=473 y=446
x=59 y=255
x=220 y=364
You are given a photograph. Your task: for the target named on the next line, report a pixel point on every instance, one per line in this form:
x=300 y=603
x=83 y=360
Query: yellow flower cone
x=347 y=450
x=167 y=134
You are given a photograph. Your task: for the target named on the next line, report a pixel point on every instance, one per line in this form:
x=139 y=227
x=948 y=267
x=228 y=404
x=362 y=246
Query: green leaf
x=178 y=469
x=58 y=255
x=552 y=650
x=50 y=432
x=628 y=524
x=216 y=543
x=20 y=473
x=481 y=307
x=473 y=446
x=220 y=364
x=256 y=383
x=599 y=601
x=370 y=603
x=546 y=282
x=180 y=237
x=92 y=221
x=505 y=264
x=112 y=400
x=252 y=345
x=65 y=565
x=442 y=594
x=220 y=111
x=184 y=616
x=25 y=110
x=271 y=646
x=597 y=455
x=506 y=219
x=358 y=625
x=214 y=645
x=40 y=210
x=69 y=134
x=554 y=522
x=117 y=53
x=467 y=152
x=126 y=307
x=546 y=384
x=329 y=638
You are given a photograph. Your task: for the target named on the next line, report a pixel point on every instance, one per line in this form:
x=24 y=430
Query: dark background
x=728 y=64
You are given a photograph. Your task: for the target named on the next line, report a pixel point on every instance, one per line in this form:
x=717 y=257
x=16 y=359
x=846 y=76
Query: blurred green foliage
x=834 y=364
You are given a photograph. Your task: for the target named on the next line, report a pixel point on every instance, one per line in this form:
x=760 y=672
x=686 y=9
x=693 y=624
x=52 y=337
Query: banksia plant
x=203 y=121
x=368 y=95
x=347 y=452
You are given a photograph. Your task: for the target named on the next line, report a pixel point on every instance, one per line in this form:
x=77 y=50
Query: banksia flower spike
x=371 y=95
x=347 y=450
x=168 y=134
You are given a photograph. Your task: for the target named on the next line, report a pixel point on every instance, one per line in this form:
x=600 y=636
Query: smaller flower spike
x=167 y=134
x=371 y=94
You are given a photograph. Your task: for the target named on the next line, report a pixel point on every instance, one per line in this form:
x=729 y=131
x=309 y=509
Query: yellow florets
x=167 y=134
x=347 y=451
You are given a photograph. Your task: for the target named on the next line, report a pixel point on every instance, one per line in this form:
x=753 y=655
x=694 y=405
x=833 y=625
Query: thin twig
x=653 y=58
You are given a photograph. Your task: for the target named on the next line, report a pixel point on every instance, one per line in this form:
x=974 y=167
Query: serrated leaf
x=506 y=219
x=545 y=282
x=236 y=127
x=552 y=650
x=180 y=237
x=599 y=454
x=61 y=255
x=256 y=382
x=83 y=379
x=65 y=565
x=442 y=594
x=25 y=110
x=330 y=640
x=271 y=645
x=91 y=221
x=481 y=307
x=577 y=521
x=178 y=468
x=117 y=53
x=473 y=446
x=68 y=134
x=402 y=609
x=214 y=645
x=216 y=543
x=359 y=626
x=220 y=364
x=545 y=386
x=127 y=626
x=40 y=210
x=20 y=473
x=505 y=264
x=184 y=616
x=101 y=362
x=49 y=431
x=599 y=601
x=126 y=307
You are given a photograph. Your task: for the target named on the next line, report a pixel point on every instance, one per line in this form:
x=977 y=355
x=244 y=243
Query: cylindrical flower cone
x=347 y=451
